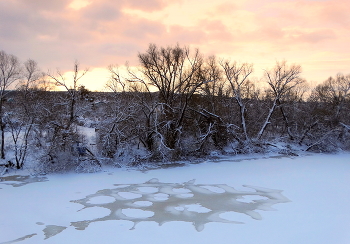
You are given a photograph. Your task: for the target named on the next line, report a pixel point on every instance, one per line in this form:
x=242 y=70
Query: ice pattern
x=162 y=202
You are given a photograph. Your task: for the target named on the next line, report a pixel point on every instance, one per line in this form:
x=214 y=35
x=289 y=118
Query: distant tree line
x=177 y=104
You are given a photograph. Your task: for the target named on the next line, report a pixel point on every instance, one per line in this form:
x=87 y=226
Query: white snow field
x=226 y=201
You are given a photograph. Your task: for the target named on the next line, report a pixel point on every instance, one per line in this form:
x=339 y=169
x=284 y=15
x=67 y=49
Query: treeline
x=176 y=105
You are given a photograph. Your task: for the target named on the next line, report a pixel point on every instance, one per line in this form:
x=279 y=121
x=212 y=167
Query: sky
x=98 y=33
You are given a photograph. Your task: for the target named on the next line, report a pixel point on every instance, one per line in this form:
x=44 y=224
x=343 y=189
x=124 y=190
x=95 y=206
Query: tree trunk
x=267 y=120
x=243 y=123
x=2 y=146
x=291 y=137
x=71 y=111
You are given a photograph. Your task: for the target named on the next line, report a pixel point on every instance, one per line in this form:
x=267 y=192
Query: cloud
x=109 y=31
x=336 y=13
x=149 y=5
x=141 y=29
x=186 y=35
x=313 y=36
x=118 y=49
x=226 y=8
x=215 y=30
x=39 y=5
x=101 y=11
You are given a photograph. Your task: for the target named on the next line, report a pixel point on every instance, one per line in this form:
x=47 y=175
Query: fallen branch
x=346 y=126
x=306 y=131
x=320 y=140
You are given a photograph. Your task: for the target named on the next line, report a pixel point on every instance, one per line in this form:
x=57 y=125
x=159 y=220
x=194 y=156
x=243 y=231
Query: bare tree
x=31 y=74
x=334 y=91
x=281 y=80
x=115 y=130
x=115 y=82
x=170 y=71
x=210 y=71
x=21 y=121
x=209 y=106
x=71 y=86
x=237 y=77
x=20 y=131
x=62 y=143
x=329 y=114
x=10 y=73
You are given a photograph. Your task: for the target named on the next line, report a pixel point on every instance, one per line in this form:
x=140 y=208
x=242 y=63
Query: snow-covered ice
x=284 y=200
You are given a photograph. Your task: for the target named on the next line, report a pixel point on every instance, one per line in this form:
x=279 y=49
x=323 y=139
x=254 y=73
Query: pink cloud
x=306 y=13
x=149 y=5
x=313 y=36
x=226 y=8
x=101 y=33
x=185 y=35
x=141 y=29
x=215 y=30
x=39 y=5
x=336 y=12
x=96 y=11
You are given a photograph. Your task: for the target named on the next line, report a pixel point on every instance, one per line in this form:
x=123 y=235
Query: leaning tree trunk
x=267 y=120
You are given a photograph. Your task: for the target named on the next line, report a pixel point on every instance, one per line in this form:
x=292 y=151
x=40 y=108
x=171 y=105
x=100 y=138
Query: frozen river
x=246 y=200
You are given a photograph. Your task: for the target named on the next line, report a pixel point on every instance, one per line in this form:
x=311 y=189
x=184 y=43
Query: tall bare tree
x=237 y=77
x=10 y=73
x=71 y=86
x=281 y=80
x=22 y=119
x=115 y=130
x=171 y=72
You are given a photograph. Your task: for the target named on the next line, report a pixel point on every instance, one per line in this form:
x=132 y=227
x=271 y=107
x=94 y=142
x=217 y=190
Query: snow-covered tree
x=281 y=80
x=71 y=86
x=170 y=71
x=237 y=76
x=10 y=73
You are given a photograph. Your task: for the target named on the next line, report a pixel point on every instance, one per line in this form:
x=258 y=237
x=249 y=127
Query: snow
x=281 y=200
x=101 y=200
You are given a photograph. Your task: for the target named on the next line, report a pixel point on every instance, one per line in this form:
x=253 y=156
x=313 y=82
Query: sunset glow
x=97 y=33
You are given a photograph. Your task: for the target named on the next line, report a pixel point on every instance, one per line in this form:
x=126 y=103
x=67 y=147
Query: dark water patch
x=21 y=180
x=160 y=202
x=52 y=230
x=19 y=239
